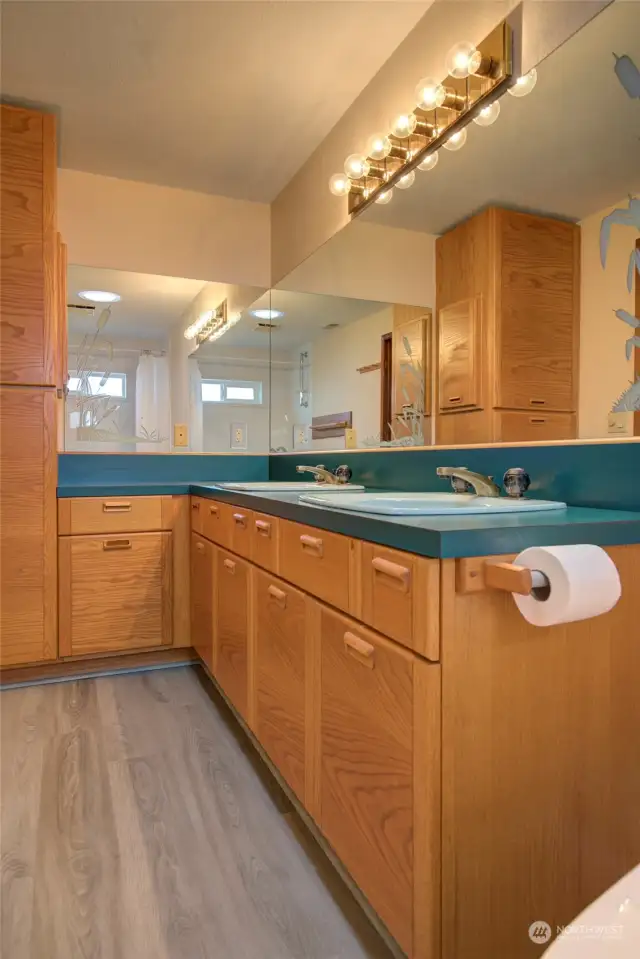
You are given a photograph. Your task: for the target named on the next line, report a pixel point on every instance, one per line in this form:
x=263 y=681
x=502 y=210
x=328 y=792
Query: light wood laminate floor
x=138 y=823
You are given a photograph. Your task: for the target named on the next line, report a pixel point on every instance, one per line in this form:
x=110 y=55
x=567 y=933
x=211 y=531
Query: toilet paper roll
x=584 y=583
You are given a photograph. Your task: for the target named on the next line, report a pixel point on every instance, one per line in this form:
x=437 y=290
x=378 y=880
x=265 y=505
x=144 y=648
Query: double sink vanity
x=448 y=755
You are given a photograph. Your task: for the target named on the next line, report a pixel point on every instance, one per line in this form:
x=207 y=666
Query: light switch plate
x=180 y=434
x=620 y=424
x=238 y=436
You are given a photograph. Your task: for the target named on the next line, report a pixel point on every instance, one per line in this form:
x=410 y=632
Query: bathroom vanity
x=464 y=768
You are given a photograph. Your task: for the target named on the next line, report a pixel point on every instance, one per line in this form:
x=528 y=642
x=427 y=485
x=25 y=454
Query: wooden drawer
x=111 y=514
x=215 y=519
x=265 y=539
x=197 y=513
x=241 y=530
x=515 y=426
x=115 y=592
x=400 y=596
x=280 y=675
x=317 y=561
x=379 y=774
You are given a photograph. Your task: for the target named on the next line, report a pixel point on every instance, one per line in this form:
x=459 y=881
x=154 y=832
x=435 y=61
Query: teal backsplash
x=605 y=475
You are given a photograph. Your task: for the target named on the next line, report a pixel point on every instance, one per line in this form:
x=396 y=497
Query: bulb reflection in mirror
x=430 y=94
x=385 y=197
x=339 y=184
x=429 y=162
x=407 y=180
x=378 y=146
x=488 y=116
x=356 y=166
x=456 y=141
x=404 y=125
x=524 y=85
x=462 y=60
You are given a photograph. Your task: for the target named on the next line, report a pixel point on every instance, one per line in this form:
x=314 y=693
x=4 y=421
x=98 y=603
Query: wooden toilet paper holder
x=476 y=574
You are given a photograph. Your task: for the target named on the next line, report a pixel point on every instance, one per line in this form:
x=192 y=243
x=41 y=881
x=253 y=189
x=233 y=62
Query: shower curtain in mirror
x=153 y=415
x=196 y=433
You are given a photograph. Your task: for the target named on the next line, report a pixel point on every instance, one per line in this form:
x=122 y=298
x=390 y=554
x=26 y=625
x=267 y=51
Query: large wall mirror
x=165 y=364
x=495 y=299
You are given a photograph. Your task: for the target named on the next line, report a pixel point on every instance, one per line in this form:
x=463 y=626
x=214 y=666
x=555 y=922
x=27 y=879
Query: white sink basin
x=428 y=504
x=291 y=487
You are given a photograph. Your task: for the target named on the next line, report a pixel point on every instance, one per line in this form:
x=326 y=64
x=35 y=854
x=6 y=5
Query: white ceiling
x=569 y=149
x=227 y=98
x=304 y=317
x=148 y=308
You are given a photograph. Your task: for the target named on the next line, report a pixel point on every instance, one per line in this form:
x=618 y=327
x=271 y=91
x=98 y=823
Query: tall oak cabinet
x=32 y=379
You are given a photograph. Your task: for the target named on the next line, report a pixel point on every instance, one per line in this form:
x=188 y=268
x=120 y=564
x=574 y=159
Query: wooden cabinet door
x=458 y=353
x=28 y=542
x=280 y=616
x=28 y=296
x=411 y=387
x=202 y=597
x=379 y=774
x=539 y=317
x=232 y=628
x=115 y=592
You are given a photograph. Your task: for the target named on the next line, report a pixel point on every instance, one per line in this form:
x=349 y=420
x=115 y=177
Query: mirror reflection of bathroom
x=523 y=251
x=150 y=371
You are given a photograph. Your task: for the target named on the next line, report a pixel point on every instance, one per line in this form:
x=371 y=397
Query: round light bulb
x=378 y=146
x=456 y=141
x=462 y=60
x=488 y=115
x=339 y=184
x=430 y=94
x=385 y=197
x=524 y=85
x=356 y=166
x=407 y=180
x=429 y=162
x=404 y=125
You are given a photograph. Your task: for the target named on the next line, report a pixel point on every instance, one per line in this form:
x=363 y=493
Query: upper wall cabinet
x=508 y=326
x=30 y=311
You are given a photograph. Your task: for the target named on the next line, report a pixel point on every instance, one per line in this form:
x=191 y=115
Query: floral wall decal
x=629 y=400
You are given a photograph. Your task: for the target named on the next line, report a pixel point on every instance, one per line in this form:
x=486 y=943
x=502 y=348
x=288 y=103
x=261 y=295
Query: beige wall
x=143 y=228
x=371 y=262
x=305 y=214
x=604 y=370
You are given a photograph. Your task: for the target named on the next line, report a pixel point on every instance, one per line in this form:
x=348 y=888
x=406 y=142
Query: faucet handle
x=343 y=473
x=516 y=482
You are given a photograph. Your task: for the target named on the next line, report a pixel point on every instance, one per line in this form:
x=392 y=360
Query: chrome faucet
x=322 y=475
x=482 y=485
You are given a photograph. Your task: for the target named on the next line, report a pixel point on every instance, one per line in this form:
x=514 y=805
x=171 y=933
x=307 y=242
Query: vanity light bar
x=208 y=323
x=477 y=77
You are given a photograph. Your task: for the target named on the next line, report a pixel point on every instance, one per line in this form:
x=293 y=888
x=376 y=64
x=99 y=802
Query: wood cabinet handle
x=200 y=547
x=311 y=543
x=393 y=571
x=455 y=399
x=263 y=527
x=110 y=544
x=240 y=519
x=214 y=510
x=537 y=420
x=195 y=506
x=537 y=402
x=360 y=649
x=230 y=565
x=113 y=506
x=278 y=595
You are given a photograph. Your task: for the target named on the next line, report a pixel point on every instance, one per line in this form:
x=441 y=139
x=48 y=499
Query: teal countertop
x=434 y=536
